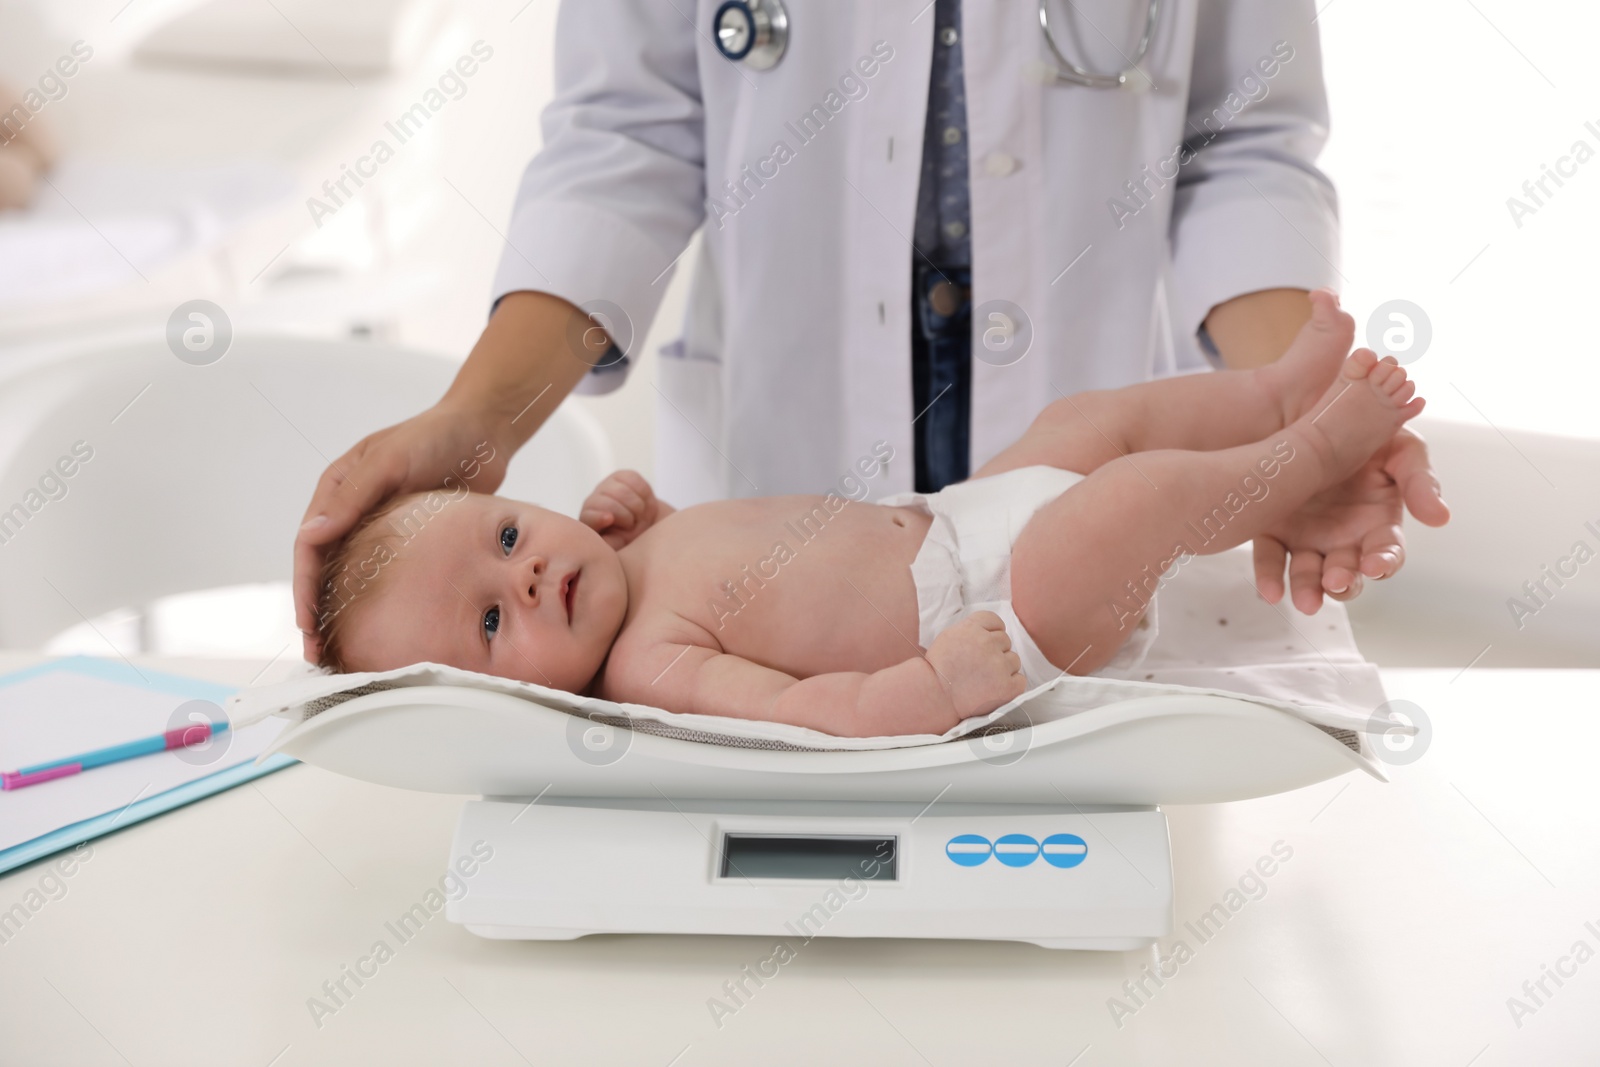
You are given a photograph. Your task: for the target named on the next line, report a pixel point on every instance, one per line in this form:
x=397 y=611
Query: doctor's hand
x=622 y=507
x=522 y=367
x=418 y=454
x=1351 y=531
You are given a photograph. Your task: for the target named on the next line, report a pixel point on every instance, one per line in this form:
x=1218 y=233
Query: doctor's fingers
x=307 y=579
x=1341 y=576
x=1270 y=557
x=1349 y=592
x=351 y=486
x=1383 y=551
x=310 y=549
x=1409 y=466
x=1305 y=580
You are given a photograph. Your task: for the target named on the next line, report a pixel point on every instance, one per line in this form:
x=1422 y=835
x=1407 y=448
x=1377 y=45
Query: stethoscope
x=752 y=32
x=1068 y=71
x=756 y=32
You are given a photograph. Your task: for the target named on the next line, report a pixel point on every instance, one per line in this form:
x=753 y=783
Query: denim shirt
x=943 y=221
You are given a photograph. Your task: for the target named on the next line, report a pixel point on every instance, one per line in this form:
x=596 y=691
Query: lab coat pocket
x=690 y=463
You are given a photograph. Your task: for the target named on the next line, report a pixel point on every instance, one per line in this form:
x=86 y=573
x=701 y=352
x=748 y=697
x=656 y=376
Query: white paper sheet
x=71 y=707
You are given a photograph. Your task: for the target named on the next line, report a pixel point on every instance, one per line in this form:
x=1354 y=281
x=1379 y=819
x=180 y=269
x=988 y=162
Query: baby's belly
x=817 y=596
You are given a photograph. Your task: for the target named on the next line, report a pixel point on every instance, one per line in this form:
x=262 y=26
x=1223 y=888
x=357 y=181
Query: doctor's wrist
x=1256 y=328
x=521 y=368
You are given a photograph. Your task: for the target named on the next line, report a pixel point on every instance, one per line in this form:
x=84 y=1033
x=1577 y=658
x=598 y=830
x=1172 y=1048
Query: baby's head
x=472 y=581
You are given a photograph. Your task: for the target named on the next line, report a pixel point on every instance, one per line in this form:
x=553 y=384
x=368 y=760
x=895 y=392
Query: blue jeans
x=941 y=374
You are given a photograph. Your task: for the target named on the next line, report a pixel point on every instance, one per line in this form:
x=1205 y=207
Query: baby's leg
x=1201 y=412
x=1086 y=565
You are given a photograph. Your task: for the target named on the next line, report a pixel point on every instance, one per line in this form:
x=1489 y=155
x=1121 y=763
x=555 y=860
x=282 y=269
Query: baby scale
x=1050 y=834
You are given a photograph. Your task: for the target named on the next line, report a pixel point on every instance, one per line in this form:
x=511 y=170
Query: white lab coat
x=795 y=356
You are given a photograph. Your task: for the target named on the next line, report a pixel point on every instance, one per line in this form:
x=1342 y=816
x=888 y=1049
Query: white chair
x=199 y=474
x=1521 y=501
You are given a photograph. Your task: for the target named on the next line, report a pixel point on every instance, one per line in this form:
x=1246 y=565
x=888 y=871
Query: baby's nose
x=532 y=577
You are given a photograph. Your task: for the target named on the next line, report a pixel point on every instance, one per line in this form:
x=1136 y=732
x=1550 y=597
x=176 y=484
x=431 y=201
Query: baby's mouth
x=569 y=591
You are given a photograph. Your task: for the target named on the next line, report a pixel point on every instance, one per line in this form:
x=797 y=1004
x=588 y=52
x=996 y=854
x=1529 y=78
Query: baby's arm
x=622 y=507
x=970 y=670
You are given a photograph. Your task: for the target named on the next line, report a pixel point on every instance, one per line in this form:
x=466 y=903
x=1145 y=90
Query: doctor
x=923 y=221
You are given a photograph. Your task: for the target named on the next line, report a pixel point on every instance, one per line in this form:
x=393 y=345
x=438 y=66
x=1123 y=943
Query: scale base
x=1057 y=876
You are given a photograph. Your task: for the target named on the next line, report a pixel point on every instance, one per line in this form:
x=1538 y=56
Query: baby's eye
x=508 y=539
x=491 y=621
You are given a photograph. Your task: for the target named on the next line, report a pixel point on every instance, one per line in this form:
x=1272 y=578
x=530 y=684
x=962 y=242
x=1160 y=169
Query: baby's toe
x=1402 y=380
x=1360 y=364
x=1386 y=377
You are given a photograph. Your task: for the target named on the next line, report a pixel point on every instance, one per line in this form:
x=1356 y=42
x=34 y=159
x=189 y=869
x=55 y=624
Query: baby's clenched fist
x=621 y=508
x=976 y=666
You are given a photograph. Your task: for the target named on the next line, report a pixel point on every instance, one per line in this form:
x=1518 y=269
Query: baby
x=858 y=619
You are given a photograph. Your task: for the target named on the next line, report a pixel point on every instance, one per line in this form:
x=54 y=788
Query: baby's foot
x=1298 y=378
x=1359 y=413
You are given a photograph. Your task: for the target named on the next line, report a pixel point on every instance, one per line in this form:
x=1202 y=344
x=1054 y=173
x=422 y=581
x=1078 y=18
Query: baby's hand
x=976 y=665
x=622 y=507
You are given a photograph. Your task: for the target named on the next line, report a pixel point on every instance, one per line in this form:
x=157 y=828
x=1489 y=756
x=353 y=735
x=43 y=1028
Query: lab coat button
x=944 y=298
x=999 y=164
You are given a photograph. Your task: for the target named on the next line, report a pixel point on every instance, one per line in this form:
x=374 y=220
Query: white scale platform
x=1059 y=876
x=1057 y=842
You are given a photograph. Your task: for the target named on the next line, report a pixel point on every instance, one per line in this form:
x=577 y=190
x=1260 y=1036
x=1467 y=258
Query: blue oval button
x=1016 y=850
x=968 y=850
x=1064 y=850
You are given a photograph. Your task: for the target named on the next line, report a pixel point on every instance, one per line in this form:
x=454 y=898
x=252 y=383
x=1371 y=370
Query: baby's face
x=496 y=586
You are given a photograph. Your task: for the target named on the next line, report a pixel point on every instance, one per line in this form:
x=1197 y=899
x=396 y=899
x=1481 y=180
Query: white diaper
x=964 y=564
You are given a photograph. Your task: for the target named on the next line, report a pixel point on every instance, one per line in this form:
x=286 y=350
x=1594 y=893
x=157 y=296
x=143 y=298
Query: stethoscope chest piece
x=752 y=32
x=1065 y=70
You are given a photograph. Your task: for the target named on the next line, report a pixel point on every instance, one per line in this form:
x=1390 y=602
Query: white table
x=1406 y=917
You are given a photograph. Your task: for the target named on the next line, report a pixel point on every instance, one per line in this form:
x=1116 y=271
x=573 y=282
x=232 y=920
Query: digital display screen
x=824 y=857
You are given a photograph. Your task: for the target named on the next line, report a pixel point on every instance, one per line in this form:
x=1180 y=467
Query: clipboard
x=67 y=705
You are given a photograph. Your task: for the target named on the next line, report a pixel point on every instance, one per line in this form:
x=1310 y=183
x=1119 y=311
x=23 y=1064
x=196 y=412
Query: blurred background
x=190 y=136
